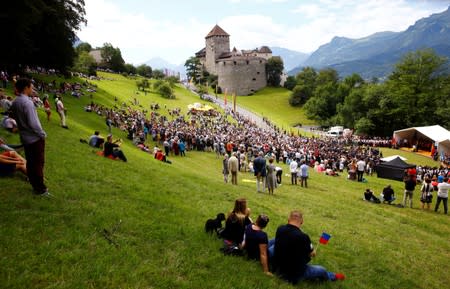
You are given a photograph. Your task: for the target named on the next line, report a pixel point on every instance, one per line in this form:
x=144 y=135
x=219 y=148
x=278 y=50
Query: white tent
x=388 y=159
x=439 y=136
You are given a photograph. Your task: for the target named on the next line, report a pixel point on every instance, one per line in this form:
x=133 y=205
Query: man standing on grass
x=233 y=167
x=304 y=174
x=31 y=134
x=360 y=167
x=61 y=111
x=259 y=167
x=293 y=166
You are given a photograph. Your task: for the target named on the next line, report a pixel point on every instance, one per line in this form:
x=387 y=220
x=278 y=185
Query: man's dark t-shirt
x=292 y=252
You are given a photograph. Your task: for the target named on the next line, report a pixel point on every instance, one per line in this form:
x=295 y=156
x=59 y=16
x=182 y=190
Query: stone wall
x=241 y=75
x=215 y=46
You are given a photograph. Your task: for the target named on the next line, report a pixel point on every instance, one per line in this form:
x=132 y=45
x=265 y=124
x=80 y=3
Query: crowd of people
x=245 y=147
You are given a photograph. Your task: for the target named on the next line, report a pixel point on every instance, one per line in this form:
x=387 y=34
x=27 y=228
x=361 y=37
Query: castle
x=241 y=72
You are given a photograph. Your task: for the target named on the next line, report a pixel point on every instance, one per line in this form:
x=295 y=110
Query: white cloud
x=135 y=32
x=141 y=36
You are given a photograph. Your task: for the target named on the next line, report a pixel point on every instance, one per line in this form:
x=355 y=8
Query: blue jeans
x=313 y=272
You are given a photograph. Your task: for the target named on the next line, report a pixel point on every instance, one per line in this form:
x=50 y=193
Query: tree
x=299 y=95
x=158 y=74
x=84 y=46
x=130 y=69
x=193 y=68
x=144 y=70
x=164 y=89
x=416 y=87
x=112 y=58
x=42 y=32
x=142 y=84
x=306 y=84
x=322 y=106
x=85 y=64
x=274 y=69
x=290 y=82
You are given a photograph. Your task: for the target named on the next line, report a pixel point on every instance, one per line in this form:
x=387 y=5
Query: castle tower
x=217 y=43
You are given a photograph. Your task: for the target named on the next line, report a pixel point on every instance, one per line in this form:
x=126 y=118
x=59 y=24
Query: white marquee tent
x=439 y=136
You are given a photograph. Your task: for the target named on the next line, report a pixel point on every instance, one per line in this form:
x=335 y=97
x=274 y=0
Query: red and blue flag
x=324 y=238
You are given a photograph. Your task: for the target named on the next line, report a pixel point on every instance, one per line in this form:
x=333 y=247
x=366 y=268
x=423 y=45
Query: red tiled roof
x=217 y=31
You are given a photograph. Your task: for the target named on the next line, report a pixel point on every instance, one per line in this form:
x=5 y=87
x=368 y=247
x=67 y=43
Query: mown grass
x=154 y=213
x=274 y=103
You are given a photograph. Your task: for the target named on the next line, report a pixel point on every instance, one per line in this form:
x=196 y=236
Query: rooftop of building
x=217 y=31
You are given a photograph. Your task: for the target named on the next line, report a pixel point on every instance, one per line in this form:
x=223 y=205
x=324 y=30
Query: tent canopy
x=393 y=169
x=439 y=136
x=390 y=158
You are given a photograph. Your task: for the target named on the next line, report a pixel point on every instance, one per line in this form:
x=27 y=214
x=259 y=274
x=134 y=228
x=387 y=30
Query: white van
x=335 y=131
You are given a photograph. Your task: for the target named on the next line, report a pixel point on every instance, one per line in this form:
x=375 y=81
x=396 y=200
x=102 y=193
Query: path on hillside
x=258 y=120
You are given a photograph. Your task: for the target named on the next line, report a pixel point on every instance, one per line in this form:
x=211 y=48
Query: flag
x=324 y=238
x=225 y=97
x=234 y=102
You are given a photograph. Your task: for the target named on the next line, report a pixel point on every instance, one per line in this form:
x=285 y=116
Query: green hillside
x=140 y=224
x=274 y=103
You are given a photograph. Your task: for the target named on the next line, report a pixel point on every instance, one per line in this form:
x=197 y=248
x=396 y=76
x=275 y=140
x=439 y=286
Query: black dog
x=214 y=225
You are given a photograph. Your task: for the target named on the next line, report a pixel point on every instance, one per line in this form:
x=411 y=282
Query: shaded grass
x=155 y=213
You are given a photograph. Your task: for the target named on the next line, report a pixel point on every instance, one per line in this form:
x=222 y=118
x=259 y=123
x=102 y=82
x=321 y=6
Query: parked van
x=335 y=131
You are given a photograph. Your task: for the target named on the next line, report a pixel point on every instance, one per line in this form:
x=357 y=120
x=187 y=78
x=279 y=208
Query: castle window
x=248 y=62
x=257 y=72
x=234 y=62
x=260 y=61
x=224 y=63
x=254 y=79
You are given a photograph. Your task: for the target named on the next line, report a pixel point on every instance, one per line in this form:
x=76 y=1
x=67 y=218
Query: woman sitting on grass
x=237 y=220
x=256 y=242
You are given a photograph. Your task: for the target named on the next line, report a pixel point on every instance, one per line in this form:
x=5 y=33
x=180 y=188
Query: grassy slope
x=274 y=103
x=157 y=212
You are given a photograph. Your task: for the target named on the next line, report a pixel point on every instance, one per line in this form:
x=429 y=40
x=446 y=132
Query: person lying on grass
x=10 y=161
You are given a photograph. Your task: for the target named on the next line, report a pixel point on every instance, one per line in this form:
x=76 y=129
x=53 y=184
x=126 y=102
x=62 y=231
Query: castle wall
x=242 y=76
x=215 y=46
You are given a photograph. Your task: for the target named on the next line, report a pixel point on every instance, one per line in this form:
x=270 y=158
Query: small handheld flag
x=324 y=238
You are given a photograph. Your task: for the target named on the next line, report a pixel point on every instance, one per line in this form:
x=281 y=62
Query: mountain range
x=162 y=64
x=376 y=55
x=371 y=56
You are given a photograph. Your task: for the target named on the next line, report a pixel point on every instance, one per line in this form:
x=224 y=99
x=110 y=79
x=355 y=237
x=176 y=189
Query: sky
x=175 y=29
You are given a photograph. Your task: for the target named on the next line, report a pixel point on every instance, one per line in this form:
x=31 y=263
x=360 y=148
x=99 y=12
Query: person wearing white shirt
x=442 y=195
x=360 y=167
x=293 y=169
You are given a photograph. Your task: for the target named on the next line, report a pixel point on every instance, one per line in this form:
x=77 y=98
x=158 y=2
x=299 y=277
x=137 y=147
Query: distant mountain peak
x=375 y=55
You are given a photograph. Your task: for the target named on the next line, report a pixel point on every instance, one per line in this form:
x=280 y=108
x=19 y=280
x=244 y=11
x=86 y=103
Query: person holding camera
x=111 y=148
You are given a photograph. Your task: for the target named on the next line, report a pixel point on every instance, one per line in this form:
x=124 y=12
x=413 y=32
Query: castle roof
x=217 y=31
x=265 y=49
x=201 y=53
